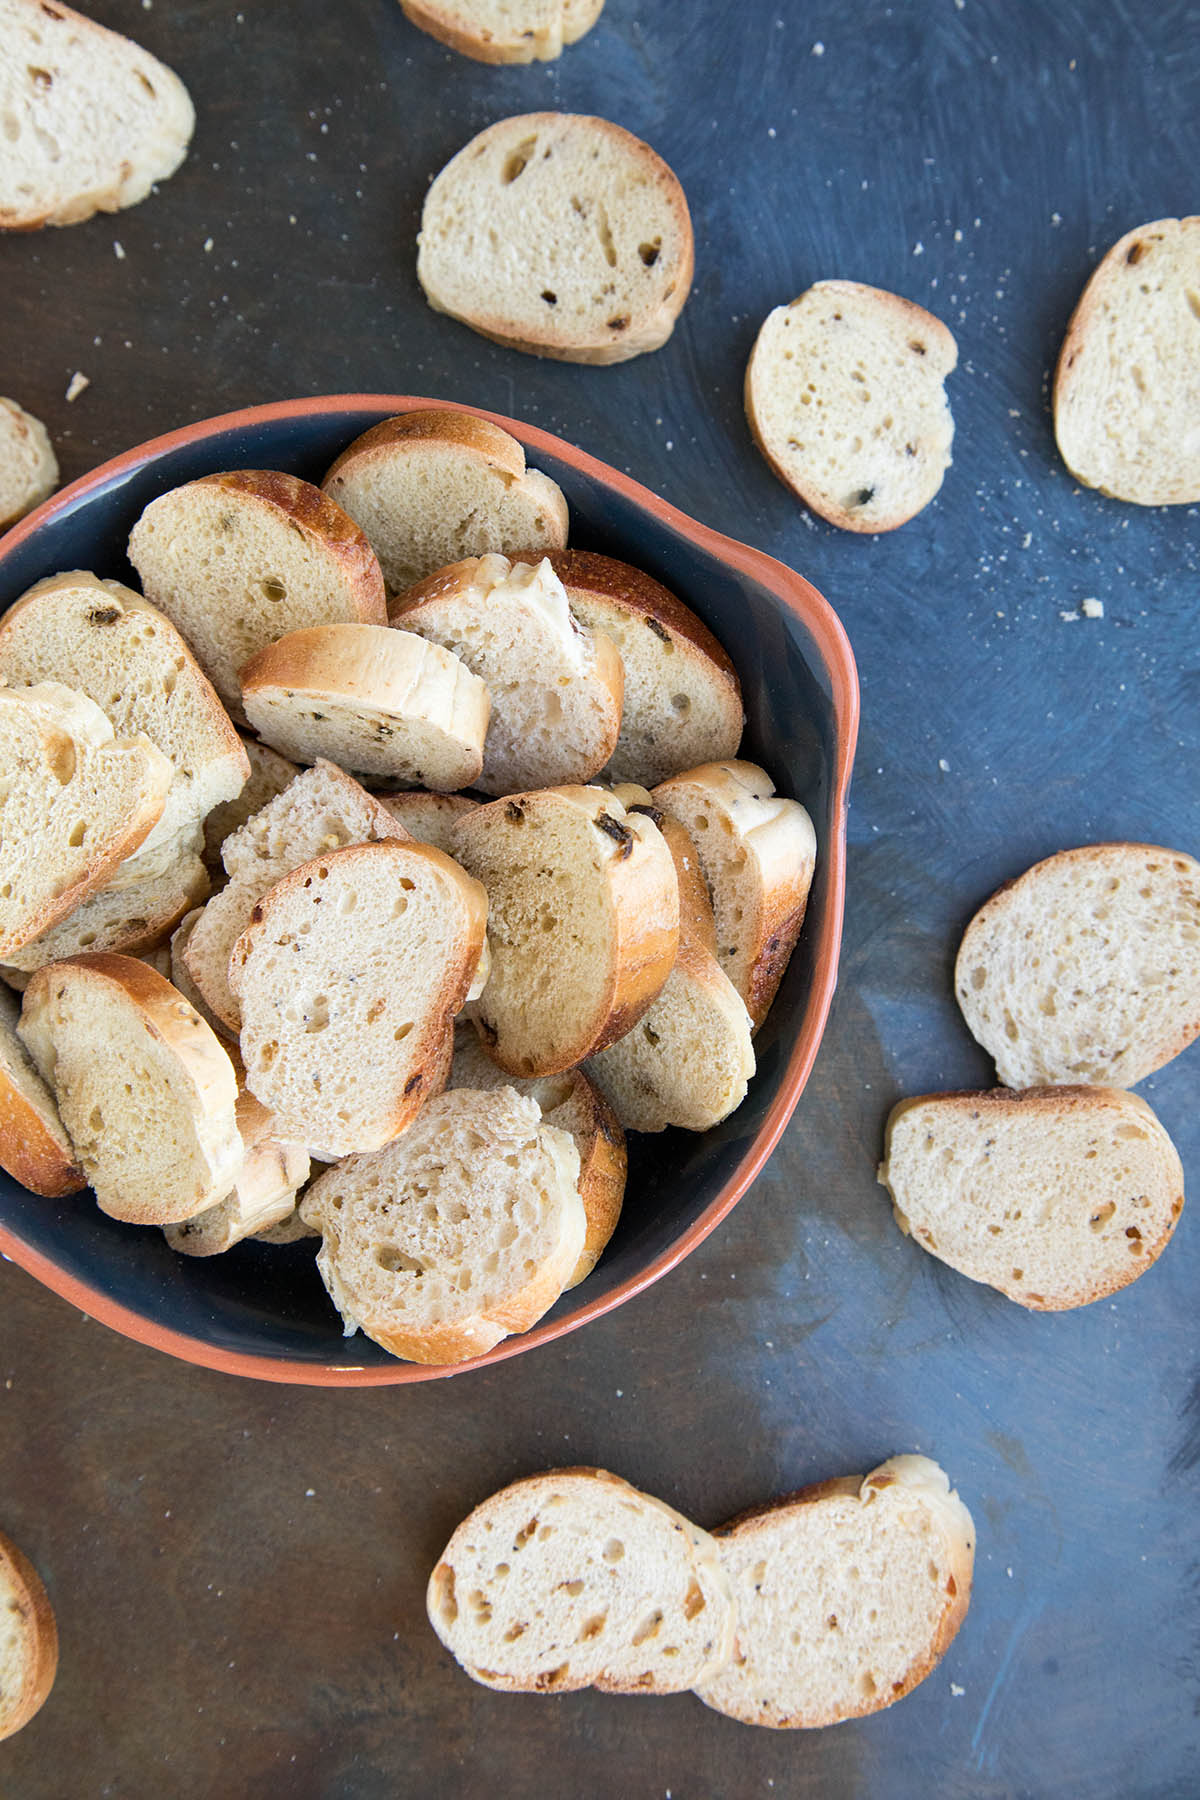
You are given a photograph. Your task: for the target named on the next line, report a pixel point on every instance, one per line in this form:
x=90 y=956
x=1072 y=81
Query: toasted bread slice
x=431 y=488
x=91 y=120
x=372 y=700
x=682 y=700
x=576 y=1579
x=75 y=801
x=465 y=1229
x=574 y=1104
x=846 y=400
x=238 y=559
x=345 y=1011
x=128 y=918
x=28 y=1640
x=1127 y=387
x=555 y=686
x=504 y=31
x=322 y=809
x=110 y=644
x=848 y=1594
x=561 y=235
x=34 y=1146
x=270 y=773
x=145 y=1090
x=758 y=853
x=1057 y=1196
x=584 y=923
x=1087 y=967
x=431 y=818
x=28 y=465
x=263 y=1196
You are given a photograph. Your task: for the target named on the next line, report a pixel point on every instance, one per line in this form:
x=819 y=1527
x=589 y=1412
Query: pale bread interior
x=28 y=465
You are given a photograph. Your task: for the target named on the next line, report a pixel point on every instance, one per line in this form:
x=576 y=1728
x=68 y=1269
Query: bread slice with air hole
x=264 y=1194
x=574 y=1104
x=561 y=235
x=289 y=1230
x=1127 y=386
x=28 y=1640
x=434 y=487
x=106 y=641
x=431 y=818
x=845 y=397
x=127 y=917
x=372 y=700
x=682 y=699
x=145 y=1090
x=757 y=853
x=75 y=801
x=92 y=120
x=28 y=465
x=1057 y=1196
x=689 y=1059
x=848 y=1594
x=462 y=1231
x=348 y=977
x=575 y=1579
x=1087 y=967
x=583 y=923
x=34 y=1146
x=504 y=31
x=238 y=559
x=555 y=686
x=270 y=773
x=322 y=809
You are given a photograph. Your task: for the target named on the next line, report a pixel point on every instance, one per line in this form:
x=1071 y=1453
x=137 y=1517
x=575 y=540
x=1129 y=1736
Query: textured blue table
x=238 y=1569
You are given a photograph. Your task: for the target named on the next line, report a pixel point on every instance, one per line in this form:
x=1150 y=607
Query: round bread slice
x=433 y=487
x=348 y=977
x=1056 y=1196
x=370 y=699
x=574 y=1104
x=28 y=1640
x=109 y=643
x=462 y=1231
x=128 y=918
x=583 y=923
x=34 y=1146
x=561 y=235
x=576 y=1579
x=848 y=1594
x=504 y=31
x=555 y=686
x=145 y=1090
x=270 y=773
x=28 y=465
x=91 y=120
x=757 y=853
x=682 y=700
x=1127 y=386
x=1087 y=967
x=238 y=559
x=263 y=1196
x=845 y=398
x=431 y=818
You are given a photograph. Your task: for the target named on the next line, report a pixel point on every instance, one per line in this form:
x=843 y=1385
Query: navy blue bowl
x=263 y=1311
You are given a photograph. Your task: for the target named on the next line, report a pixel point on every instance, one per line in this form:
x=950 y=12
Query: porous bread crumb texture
x=348 y=976
x=559 y=234
x=574 y=1579
x=845 y=397
x=128 y=917
x=505 y=31
x=1127 y=386
x=462 y=1230
x=431 y=818
x=263 y=1196
x=88 y=119
x=1087 y=967
x=34 y=1147
x=28 y=465
x=236 y=560
x=270 y=773
x=846 y=1596
x=1055 y=1196
x=28 y=1640
x=555 y=687
x=432 y=488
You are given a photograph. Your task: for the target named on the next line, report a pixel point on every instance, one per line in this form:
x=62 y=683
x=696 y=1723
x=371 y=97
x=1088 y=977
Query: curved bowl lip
x=797 y=596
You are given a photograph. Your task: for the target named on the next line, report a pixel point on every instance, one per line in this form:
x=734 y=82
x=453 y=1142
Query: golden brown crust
x=417 y=430
x=435 y=23
x=31 y=1600
x=29 y=1151
x=603 y=1164
x=315 y=515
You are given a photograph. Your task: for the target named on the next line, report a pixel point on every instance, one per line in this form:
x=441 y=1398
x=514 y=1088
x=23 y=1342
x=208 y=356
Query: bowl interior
x=268 y=1304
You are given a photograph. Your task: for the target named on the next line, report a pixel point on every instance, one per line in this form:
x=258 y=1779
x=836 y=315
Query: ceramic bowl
x=262 y=1311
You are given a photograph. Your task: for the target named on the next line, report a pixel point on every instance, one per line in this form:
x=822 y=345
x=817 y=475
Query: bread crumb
x=1068 y=618
x=208 y=244
x=943 y=765
x=1092 y=608
x=818 y=49
x=957 y=1691
x=118 y=250
x=76 y=385
x=918 y=248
